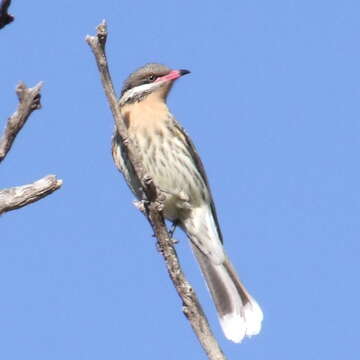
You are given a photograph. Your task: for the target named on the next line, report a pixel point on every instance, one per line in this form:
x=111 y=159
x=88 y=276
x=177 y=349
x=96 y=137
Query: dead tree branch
x=29 y=100
x=191 y=306
x=5 y=17
x=19 y=196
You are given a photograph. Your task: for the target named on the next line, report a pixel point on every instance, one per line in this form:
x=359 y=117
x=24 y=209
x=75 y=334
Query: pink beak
x=173 y=75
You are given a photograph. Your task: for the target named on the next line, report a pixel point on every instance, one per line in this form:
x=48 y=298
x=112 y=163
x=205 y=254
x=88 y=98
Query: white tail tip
x=253 y=317
x=236 y=326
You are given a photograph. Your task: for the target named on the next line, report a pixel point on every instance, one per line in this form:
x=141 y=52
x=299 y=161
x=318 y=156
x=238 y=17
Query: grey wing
x=200 y=167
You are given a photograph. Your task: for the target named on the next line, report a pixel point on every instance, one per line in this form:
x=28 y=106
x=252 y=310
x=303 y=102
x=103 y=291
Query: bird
x=170 y=158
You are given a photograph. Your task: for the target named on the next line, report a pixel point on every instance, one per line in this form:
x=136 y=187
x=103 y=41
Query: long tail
x=239 y=313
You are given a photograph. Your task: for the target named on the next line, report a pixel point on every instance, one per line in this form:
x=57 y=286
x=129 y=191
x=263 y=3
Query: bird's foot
x=172 y=230
x=175 y=223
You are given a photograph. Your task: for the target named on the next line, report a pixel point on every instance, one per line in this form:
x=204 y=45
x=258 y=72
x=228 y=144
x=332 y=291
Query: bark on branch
x=19 y=196
x=191 y=306
x=29 y=100
x=5 y=17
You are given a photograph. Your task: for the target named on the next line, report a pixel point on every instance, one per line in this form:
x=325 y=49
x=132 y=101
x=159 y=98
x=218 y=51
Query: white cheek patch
x=141 y=89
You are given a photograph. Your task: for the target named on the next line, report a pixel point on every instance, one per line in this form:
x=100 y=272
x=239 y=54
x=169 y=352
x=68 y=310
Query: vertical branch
x=191 y=306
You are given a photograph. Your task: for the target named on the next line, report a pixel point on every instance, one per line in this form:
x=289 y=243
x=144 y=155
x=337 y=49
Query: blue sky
x=272 y=104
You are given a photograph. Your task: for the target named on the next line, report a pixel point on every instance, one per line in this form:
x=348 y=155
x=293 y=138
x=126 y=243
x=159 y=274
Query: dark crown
x=144 y=75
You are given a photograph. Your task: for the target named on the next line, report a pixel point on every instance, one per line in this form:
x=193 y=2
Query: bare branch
x=5 y=17
x=19 y=196
x=29 y=100
x=97 y=44
x=191 y=306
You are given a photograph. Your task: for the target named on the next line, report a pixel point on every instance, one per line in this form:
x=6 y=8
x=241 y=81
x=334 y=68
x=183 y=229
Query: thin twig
x=19 y=196
x=29 y=100
x=5 y=17
x=191 y=306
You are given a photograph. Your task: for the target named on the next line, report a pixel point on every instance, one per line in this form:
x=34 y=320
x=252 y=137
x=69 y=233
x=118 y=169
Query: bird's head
x=149 y=79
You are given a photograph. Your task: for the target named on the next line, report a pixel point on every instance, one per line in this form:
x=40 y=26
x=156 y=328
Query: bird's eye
x=151 y=77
